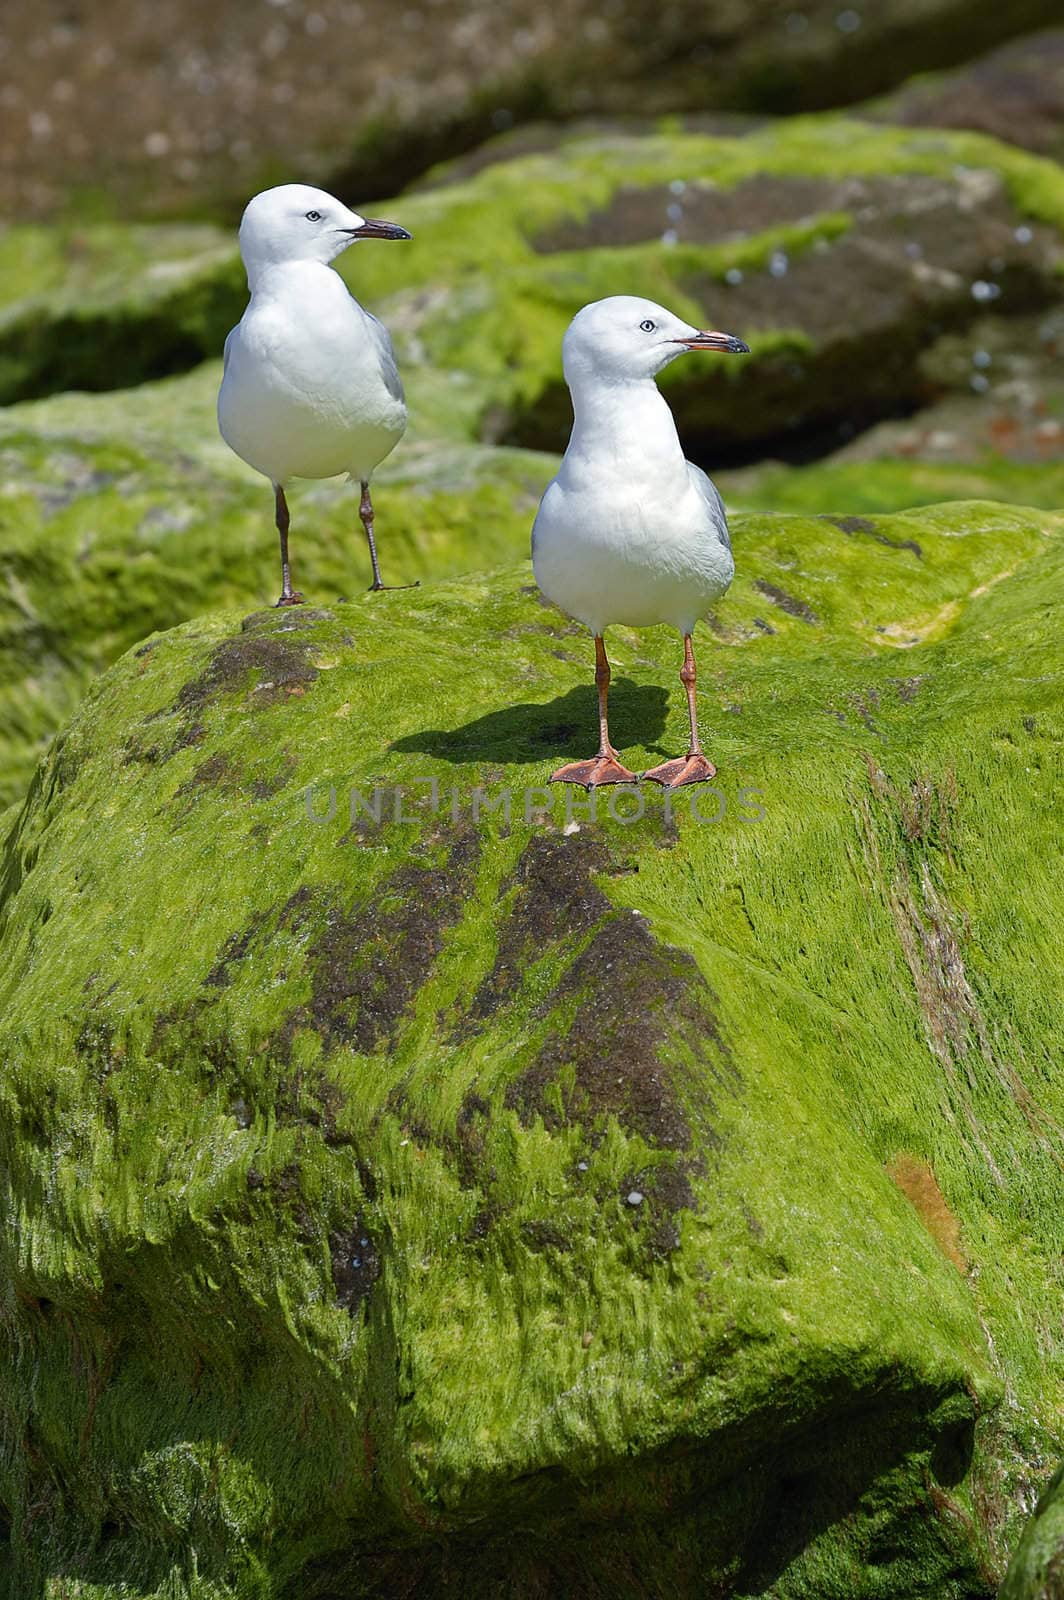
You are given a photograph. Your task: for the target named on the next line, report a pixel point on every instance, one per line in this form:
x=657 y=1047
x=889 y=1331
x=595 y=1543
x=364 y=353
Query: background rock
x=130 y=105
x=303 y=1177
x=842 y=251
x=1015 y=93
x=106 y=306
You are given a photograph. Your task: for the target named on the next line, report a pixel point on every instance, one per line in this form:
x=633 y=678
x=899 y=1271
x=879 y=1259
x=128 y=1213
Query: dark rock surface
x=1015 y=93
x=189 y=109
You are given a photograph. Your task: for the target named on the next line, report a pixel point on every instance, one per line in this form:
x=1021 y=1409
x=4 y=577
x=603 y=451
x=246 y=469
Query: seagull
x=629 y=531
x=310 y=388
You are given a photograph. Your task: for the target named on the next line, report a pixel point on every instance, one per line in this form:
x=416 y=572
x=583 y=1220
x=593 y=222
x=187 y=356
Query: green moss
x=891 y=484
x=241 y=1042
x=105 y=305
x=100 y=543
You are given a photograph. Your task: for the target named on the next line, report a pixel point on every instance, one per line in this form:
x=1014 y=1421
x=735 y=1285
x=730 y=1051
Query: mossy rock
x=1036 y=1571
x=449 y=1201
x=102 y=306
x=843 y=251
x=125 y=513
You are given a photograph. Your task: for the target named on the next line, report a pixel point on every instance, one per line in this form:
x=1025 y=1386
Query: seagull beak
x=707 y=339
x=372 y=229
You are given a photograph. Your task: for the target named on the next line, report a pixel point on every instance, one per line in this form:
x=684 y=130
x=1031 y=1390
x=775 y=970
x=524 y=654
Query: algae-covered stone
x=105 y=305
x=842 y=251
x=1036 y=1571
x=124 y=513
x=329 y=1086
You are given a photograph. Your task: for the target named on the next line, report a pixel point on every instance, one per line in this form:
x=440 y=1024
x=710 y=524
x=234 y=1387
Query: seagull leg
x=289 y=596
x=365 y=511
x=606 y=766
x=694 y=767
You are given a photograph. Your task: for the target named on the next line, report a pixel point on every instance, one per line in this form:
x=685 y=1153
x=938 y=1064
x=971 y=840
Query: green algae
x=241 y=1041
x=101 y=542
x=891 y=484
x=107 y=305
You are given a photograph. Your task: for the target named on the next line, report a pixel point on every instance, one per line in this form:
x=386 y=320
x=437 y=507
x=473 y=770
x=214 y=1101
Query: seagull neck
x=622 y=419
x=269 y=278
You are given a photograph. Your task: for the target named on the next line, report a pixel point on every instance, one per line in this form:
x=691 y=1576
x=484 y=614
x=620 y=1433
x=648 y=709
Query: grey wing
x=389 y=367
x=226 y=348
x=711 y=495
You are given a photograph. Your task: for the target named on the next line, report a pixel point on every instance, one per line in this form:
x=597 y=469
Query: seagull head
x=625 y=339
x=297 y=223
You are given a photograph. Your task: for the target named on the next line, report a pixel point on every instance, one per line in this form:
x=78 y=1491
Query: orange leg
x=694 y=767
x=606 y=766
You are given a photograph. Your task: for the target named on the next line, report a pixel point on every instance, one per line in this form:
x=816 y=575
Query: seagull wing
x=386 y=355
x=714 y=504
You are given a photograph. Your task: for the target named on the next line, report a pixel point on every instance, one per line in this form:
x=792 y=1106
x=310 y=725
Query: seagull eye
x=648 y=326
x=313 y=216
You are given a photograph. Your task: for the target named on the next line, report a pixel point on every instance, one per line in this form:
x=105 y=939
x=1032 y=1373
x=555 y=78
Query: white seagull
x=310 y=387
x=629 y=531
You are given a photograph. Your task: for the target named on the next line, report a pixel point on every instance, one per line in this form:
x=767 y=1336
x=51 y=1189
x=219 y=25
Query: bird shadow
x=566 y=726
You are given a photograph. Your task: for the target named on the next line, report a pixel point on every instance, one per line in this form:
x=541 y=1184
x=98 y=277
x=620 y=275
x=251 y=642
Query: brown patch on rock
x=632 y=994
x=541 y=1235
x=665 y=1191
x=470 y=1141
x=267 y=665
x=785 y=601
x=919 y=1185
x=217 y=772
x=368 y=962
x=315 y=1100
x=908 y=688
x=631 y=1006
x=708 y=214
x=864 y=705
x=556 y=899
x=864 y=526
x=286 y=1187
x=233 y=952
x=269 y=668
